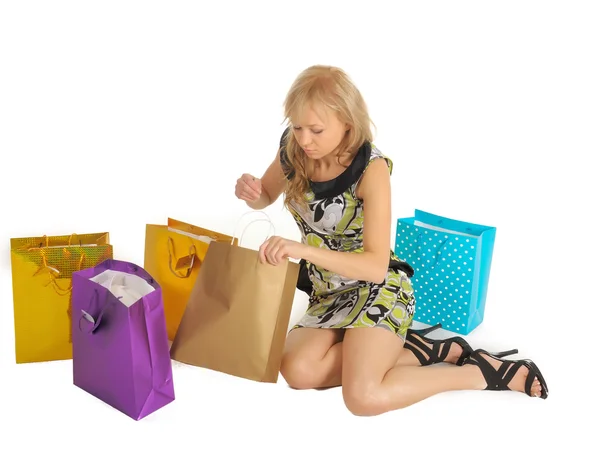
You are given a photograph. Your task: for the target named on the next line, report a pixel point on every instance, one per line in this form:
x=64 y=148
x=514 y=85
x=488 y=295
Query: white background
x=115 y=114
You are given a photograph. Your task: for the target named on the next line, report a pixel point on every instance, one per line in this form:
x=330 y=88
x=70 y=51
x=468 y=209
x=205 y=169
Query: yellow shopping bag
x=41 y=279
x=173 y=255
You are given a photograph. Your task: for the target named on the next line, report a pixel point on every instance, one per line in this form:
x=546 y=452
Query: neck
x=330 y=160
x=326 y=162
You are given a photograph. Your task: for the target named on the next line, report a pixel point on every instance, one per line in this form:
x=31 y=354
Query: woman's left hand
x=277 y=249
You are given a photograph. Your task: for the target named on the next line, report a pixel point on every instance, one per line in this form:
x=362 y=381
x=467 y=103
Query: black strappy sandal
x=500 y=378
x=439 y=349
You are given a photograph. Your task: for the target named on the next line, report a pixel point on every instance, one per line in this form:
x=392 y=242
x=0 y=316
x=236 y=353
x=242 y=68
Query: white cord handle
x=268 y=220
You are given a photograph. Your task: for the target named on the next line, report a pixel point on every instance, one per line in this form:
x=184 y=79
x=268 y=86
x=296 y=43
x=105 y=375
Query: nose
x=305 y=139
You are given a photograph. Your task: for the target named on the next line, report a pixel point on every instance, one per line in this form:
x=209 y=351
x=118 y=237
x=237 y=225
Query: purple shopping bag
x=120 y=345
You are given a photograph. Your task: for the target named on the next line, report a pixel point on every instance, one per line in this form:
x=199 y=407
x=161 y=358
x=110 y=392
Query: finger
x=282 y=254
x=245 y=196
x=257 y=185
x=277 y=257
x=273 y=258
x=261 y=252
x=248 y=179
x=243 y=188
x=250 y=195
x=272 y=253
x=275 y=249
x=254 y=183
x=268 y=251
x=248 y=199
x=252 y=186
x=276 y=253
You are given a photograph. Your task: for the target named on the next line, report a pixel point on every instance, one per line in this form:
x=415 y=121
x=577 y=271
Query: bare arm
x=372 y=264
x=272 y=185
x=260 y=193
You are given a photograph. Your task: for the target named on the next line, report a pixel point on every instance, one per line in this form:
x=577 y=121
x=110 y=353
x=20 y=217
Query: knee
x=372 y=399
x=363 y=399
x=299 y=372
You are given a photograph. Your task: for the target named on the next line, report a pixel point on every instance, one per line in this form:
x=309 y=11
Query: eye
x=297 y=128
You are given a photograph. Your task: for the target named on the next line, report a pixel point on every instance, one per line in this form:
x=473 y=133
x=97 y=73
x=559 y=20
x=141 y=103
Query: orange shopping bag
x=173 y=256
x=41 y=281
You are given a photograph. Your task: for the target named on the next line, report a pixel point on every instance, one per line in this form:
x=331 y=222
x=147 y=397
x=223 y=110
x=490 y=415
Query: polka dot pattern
x=445 y=279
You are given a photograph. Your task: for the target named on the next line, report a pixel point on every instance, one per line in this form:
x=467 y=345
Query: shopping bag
x=452 y=261
x=173 y=255
x=237 y=316
x=41 y=269
x=120 y=345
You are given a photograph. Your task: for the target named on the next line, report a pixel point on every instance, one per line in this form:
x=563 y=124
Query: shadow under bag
x=120 y=344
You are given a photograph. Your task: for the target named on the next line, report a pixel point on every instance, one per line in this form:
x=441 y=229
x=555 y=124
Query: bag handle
x=438 y=253
x=53 y=273
x=88 y=317
x=192 y=251
x=71 y=238
x=45 y=243
x=266 y=219
x=45 y=266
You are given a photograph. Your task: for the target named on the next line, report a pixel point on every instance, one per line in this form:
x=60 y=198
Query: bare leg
x=313 y=358
x=372 y=383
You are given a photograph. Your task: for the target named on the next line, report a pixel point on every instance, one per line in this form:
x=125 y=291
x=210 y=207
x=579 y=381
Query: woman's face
x=319 y=132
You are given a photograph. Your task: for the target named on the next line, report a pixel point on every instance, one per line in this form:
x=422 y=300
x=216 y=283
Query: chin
x=315 y=155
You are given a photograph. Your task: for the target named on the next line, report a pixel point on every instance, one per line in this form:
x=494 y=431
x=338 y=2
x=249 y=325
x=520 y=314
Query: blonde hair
x=329 y=87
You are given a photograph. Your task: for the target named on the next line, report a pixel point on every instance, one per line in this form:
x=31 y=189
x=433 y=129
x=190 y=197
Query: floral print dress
x=334 y=220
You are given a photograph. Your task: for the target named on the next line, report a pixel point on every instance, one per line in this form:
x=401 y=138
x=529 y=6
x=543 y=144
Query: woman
x=336 y=184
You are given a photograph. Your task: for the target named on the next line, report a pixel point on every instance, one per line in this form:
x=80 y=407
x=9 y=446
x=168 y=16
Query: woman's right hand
x=248 y=188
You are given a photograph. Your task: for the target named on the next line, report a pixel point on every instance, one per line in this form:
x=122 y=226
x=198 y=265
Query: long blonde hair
x=330 y=87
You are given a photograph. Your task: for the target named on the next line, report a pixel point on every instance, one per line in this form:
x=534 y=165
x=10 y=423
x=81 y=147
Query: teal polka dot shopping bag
x=452 y=261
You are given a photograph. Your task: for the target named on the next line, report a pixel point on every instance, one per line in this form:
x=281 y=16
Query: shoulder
x=377 y=156
x=376 y=173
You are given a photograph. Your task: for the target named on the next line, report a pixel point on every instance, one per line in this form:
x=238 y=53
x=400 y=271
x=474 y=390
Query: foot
x=517 y=383
x=453 y=354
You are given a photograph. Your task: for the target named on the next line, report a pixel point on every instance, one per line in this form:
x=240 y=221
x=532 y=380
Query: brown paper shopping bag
x=173 y=255
x=237 y=316
x=41 y=280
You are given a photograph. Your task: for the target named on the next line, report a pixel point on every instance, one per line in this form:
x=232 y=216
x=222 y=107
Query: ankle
x=454 y=354
x=476 y=378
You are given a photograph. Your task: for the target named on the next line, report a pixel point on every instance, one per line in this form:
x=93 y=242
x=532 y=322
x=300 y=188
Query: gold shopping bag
x=41 y=281
x=173 y=256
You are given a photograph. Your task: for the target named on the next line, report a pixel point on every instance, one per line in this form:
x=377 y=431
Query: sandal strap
x=414 y=344
x=490 y=374
x=532 y=373
x=506 y=373
x=495 y=379
x=438 y=351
